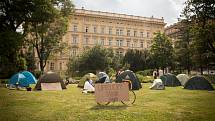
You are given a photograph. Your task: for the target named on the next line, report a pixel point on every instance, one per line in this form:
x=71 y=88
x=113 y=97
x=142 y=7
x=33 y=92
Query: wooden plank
x=51 y=86
x=111 y=92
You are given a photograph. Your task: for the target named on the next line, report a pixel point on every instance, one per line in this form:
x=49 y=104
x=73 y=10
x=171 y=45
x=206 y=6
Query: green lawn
x=172 y=104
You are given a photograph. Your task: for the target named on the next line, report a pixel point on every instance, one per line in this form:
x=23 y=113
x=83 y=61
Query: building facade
x=120 y=32
x=173 y=32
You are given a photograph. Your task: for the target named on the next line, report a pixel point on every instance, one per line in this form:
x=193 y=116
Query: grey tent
x=157 y=85
x=198 y=83
x=129 y=75
x=170 y=80
x=49 y=77
x=183 y=78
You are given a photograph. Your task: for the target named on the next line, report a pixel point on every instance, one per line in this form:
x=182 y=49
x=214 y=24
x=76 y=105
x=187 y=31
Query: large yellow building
x=120 y=32
x=173 y=32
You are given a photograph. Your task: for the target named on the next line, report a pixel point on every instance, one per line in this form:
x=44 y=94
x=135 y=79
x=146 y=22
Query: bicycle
x=131 y=95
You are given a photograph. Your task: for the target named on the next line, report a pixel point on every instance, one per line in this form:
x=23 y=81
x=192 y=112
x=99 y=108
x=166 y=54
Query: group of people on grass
x=89 y=86
x=102 y=78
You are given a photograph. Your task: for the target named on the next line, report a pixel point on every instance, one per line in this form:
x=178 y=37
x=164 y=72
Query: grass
x=172 y=104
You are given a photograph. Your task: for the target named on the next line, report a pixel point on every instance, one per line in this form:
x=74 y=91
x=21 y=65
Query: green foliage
x=9 y=50
x=4 y=81
x=21 y=63
x=77 y=78
x=182 y=49
x=161 y=51
x=48 y=23
x=211 y=78
x=30 y=60
x=201 y=14
x=136 y=60
x=147 y=72
x=96 y=58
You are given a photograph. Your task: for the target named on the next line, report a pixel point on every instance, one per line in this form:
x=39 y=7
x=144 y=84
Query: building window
x=119 y=43
x=110 y=31
x=141 y=44
x=141 y=34
x=51 y=66
x=110 y=42
x=86 y=40
x=101 y=42
x=119 y=53
x=74 y=40
x=87 y=29
x=60 y=66
x=74 y=52
x=75 y=28
x=148 y=35
x=102 y=30
x=135 y=33
x=117 y=31
x=128 y=33
x=94 y=29
x=95 y=41
x=121 y=32
x=135 y=43
x=128 y=43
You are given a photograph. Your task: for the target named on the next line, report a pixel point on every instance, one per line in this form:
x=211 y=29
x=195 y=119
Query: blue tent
x=22 y=79
x=30 y=77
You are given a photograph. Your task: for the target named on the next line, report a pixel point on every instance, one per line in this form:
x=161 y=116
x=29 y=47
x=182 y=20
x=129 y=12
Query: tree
x=161 y=51
x=202 y=13
x=96 y=58
x=47 y=26
x=13 y=13
x=136 y=59
x=182 y=48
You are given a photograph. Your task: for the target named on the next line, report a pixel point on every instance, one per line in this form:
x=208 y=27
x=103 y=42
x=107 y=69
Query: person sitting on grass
x=88 y=86
x=103 y=78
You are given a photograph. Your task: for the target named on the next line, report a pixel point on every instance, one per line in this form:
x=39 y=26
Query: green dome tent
x=170 y=80
x=198 y=83
x=50 y=77
x=183 y=78
x=129 y=75
x=83 y=79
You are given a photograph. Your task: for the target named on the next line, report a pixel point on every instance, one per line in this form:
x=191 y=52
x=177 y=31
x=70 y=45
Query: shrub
x=147 y=72
x=77 y=78
x=4 y=81
x=144 y=79
x=210 y=78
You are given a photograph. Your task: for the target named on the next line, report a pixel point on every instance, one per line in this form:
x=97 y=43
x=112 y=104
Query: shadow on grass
x=109 y=107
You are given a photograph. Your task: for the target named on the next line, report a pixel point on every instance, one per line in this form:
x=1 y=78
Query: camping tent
x=30 y=77
x=198 y=83
x=50 y=77
x=183 y=78
x=23 y=79
x=83 y=79
x=129 y=75
x=157 y=85
x=170 y=80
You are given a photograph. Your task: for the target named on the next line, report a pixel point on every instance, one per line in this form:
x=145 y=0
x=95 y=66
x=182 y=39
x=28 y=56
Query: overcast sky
x=169 y=9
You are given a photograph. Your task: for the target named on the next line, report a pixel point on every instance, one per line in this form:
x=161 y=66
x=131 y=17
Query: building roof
x=117 y=16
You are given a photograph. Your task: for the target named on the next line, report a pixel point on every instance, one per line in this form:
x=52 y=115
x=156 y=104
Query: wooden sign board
x=111 y=92
x=51 y=86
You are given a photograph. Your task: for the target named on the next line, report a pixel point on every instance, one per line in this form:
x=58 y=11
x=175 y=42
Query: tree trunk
x=41 y=67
